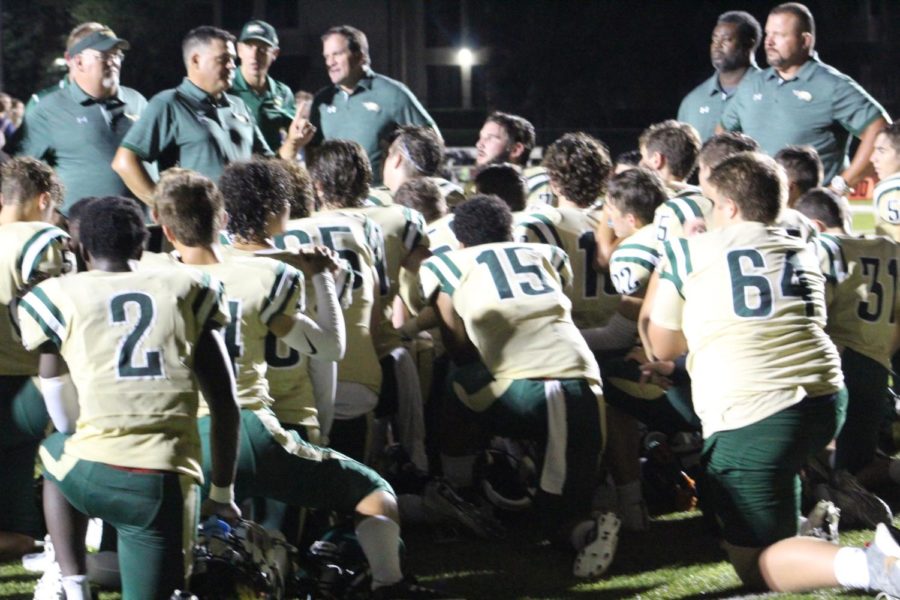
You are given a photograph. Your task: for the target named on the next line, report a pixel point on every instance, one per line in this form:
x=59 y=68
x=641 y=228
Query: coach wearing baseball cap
x=77 y=129
x=271 y=102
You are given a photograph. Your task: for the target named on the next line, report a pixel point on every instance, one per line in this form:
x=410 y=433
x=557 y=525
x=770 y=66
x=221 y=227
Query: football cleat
x=49 y=586
x=822 y=522
x=597 y=555
x=883 y=560
x=37 y=562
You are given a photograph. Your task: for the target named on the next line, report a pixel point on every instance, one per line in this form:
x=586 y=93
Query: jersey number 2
x=149 y=363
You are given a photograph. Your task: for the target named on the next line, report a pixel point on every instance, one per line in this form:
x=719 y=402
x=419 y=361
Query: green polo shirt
x=36 y=97
x=820 y=106
x=703 y=106
x=368 y=116
x=272 y=110
x=187 y=127
x=78 y=136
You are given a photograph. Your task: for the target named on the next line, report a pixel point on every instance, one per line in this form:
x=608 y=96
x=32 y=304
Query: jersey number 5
x=529 y=278
x=133 y=364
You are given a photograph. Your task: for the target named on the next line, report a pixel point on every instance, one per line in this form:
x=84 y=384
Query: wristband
x=222 y=495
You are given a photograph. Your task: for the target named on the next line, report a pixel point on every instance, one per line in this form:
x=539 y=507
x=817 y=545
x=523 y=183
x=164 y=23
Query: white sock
x=851 y=569
x=76 y=587
x=894 y=470
x=459 y=470
x=380 y=540
x=629 y=493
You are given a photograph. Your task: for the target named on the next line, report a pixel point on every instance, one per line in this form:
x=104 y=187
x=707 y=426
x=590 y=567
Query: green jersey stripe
x=650 y=266
x=34 y=250
x=45 y=314
x=450 y=265
x=434 y=267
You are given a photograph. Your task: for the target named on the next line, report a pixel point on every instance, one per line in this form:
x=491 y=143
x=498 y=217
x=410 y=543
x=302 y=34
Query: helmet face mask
x=508 y=476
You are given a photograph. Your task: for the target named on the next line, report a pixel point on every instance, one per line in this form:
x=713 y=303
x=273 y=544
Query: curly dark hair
x=113 y=228
x=190 y=205
x=722 y=145
x=678 y=142
x=482 y=219
x=421 y=148
x=254 y=191
x=638 y=191
x=579 y=166
x=754 y=182
x=303 y=194
x=341 y=172
x=505 y=181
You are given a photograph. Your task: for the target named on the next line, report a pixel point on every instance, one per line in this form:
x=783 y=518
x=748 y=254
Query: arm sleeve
x=325 y=337
x=323 y=376
x=40 y=319
x=61 y=399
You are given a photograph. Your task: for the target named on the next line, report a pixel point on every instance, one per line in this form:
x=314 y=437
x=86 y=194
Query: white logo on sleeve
x=331 y=109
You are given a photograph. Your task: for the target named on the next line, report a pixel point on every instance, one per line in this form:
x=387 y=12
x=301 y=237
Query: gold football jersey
x=682 y=205
x=510 y=297
x=129 y=339
x=257 y=290
x=751 y=303
x=594 y=300
x=404 y=230
x=634 y=261
x=351 y=236
x=861 y=275
x=29 y=252
x=886 y=197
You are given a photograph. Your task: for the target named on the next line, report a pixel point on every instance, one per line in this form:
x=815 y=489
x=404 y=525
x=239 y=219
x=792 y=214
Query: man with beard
x=77 y=129
x=507 y=138
x=734 y=42
x=801 y=100
x=197 y=125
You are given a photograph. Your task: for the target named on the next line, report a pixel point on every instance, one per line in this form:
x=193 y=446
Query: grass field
x=674 y=559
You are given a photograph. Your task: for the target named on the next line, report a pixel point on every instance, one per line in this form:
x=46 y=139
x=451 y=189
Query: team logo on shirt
x=757 y=97
x=331 y=109
x=704 y=110
x=241 y=117
x=373 y=106
x=81 y=120
x=803 y=95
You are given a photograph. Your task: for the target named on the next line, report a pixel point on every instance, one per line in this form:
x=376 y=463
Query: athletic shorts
x=751 y=473
x=153 y=512
x=278 y=464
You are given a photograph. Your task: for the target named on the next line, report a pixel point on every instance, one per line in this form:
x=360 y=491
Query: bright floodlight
x=465 y=57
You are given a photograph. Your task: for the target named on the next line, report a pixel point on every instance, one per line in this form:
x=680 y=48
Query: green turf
x=674 y=559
